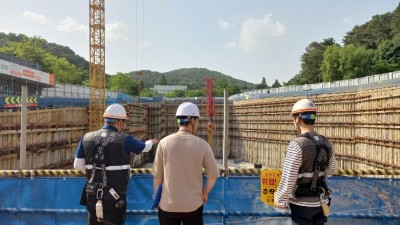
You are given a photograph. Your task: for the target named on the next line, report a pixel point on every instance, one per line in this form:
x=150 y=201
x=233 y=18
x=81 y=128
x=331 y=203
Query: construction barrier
x=234 y=200
x=228 y=171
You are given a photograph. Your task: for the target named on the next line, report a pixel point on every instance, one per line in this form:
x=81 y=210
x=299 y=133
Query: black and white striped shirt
x=290 y=171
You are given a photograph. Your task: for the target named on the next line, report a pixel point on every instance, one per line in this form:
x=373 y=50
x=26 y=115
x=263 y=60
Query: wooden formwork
x=362 y=126
x=52 y=137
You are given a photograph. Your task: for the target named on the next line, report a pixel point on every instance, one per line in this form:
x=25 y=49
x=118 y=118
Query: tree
x=146 y=92
x=330 y=64
x=195 y=93
x=395 y=22
x=176 y=94
x=29 y=49
x=276 y=84
x=355 y=62
x=387 y=56
x=371 y=33
x=121 y=82
x=163 y=80
x=263 y=84
x=312 y=59
x=233 y=89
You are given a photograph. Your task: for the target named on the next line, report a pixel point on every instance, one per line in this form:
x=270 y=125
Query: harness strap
x=99 y=155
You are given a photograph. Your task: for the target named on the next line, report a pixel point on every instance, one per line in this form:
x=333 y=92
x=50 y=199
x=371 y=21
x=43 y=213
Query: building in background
x=15 y=73
x=165 y=89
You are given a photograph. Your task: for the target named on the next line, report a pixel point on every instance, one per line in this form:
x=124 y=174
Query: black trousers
x=176 y=218
x=301 y=215
x=111 y=213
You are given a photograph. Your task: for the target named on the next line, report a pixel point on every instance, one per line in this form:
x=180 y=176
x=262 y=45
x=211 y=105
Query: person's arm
x=79 y=162
x=289 y=175
x=212 y=171
x=133 y=145
x=332 y=167
x=149 y=144
x=158 y=168
x=207 y=188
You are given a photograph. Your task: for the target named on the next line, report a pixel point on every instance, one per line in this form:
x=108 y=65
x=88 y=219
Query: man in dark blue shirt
x=106 y=156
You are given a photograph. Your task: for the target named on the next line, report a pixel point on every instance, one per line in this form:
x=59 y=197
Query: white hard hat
x=188 y=109
x=304 y=105
x=115 y=111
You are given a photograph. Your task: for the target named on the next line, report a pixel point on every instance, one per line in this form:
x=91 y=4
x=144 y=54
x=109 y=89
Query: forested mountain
x=370 y=48
x=72 y=68
x=193 y=78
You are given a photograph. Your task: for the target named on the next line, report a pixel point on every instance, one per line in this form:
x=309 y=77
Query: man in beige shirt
x=178 y=166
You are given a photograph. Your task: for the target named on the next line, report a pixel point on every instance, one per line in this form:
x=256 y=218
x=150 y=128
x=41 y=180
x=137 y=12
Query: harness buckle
x=99 y=194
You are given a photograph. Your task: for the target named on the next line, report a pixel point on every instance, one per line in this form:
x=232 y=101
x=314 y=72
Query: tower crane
x=96 y=64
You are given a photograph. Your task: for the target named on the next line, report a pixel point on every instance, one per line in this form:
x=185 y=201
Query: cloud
x=225 y=24
x=260 y=35
x=71 y=25
x=38 y=18
x=117 y=31
x=232 y=44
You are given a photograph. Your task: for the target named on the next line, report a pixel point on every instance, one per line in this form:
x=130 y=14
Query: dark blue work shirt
x=131 y=145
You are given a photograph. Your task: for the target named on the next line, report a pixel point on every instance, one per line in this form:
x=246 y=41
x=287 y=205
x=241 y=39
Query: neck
x=306 y=129
x=185 y=129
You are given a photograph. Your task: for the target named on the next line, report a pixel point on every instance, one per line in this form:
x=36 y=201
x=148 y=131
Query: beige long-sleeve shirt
x=180 y=160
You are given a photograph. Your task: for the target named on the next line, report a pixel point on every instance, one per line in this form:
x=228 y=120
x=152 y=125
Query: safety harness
x=319 y=166
x=99 y=188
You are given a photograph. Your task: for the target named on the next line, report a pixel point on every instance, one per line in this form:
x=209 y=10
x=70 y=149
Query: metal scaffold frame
x=97 y=63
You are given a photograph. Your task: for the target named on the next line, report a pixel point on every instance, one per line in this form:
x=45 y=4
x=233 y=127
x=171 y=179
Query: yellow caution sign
x=269 y=181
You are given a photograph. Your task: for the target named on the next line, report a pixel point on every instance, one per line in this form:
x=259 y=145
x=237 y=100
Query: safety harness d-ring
x=99 y=194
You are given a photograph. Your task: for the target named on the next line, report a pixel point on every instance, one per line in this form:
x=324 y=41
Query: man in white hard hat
x=178 y=167
x=309 y=159
x=106 y=156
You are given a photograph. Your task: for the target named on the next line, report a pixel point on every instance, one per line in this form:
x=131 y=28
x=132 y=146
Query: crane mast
x=96 y=64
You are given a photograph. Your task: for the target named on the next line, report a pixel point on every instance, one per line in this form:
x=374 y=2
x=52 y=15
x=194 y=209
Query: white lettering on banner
x=16 y=70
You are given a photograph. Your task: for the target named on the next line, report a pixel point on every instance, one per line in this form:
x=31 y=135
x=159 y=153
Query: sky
x=245 y=39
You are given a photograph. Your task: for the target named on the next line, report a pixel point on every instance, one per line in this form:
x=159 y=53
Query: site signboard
x=269 y=181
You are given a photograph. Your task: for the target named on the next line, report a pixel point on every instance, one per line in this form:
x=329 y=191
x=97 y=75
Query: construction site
x=38 y=184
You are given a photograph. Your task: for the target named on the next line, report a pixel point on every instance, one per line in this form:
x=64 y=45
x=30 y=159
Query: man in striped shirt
x=309 y=159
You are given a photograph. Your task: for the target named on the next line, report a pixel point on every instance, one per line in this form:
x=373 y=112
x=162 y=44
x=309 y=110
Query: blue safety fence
x=234 y=200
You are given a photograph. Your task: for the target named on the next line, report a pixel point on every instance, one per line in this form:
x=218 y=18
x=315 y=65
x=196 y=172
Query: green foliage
x=32 y=49
x=370 y=34
x=387 y=56
x=123 y=83
x=355 y=62
x=346 y=63
x=146 y=92
x=330 y=64
x=276 y=84
x=195 y=93
x=175 y=94
x=395 y=22
x=263 y=84
x=163 y=80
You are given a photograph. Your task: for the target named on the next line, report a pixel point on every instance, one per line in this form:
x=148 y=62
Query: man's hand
x=154 y=141
x=280 y=206
x=204 y=197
